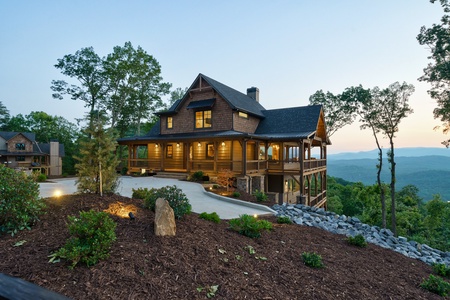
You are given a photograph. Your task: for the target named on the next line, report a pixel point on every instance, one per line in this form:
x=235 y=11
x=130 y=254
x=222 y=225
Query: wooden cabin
x=19 y=150
x=214 y=127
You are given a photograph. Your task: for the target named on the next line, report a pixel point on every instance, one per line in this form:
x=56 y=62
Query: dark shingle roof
x=7 y=135
x=236 y=99
x=294 y=121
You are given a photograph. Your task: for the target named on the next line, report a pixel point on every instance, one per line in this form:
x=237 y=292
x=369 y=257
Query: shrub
x=175 y=196
x=312 y=260
x=357 y=240
x=39 y=177
x=250 y=226
x=197 y=176
x=92 y=234
x=260 y=196
x=236 y=194
x=213 y=217
x=284 y=220
x=436 y=285
x=442 y=269
x=20 y=204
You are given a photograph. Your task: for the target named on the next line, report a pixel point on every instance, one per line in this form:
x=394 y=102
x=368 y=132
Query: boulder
x=164 y=219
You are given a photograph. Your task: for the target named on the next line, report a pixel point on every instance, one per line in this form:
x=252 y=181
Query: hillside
x=204 y=254
x=431 y=174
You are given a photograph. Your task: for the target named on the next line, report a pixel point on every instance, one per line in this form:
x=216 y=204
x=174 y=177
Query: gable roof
x=7 y=135
x=237 y=100
x=294 y=122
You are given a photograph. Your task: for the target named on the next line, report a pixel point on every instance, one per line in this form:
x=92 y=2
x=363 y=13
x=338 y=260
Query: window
x=169 y=122
x=20 y=158
x=20 y=146
x=210 y=151
x=243 y=115
x=203 y=119
x=169 y=151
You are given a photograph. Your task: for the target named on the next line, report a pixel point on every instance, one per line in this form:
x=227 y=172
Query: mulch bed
x=204 y=254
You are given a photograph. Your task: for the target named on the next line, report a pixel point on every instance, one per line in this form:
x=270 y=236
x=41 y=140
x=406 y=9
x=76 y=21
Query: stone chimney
x=253 y=93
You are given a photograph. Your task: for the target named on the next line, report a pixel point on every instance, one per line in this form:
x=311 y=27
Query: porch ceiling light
x=156 y=145
x=199 y=145
x=223 y=144
x=178 y=145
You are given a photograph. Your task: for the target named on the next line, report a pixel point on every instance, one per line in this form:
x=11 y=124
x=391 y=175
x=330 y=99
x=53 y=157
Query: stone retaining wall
x=351 y=226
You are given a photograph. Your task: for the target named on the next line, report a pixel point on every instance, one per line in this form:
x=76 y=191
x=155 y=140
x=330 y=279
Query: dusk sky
x=288 y=49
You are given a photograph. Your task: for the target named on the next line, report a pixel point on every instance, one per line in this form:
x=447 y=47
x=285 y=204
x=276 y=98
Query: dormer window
x=203 y=119
x=20 y=146
x=169 y=122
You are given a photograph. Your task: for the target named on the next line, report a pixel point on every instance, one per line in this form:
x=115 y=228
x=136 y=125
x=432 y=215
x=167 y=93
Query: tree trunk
x=392 y=161
x=382 y=191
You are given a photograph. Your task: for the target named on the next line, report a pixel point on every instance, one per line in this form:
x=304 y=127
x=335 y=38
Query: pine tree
x=97 y=160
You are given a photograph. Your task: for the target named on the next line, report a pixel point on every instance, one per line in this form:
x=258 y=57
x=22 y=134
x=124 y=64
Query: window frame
x=169 y=151
x=21 y=146
x=203 y=119
x=169 y=124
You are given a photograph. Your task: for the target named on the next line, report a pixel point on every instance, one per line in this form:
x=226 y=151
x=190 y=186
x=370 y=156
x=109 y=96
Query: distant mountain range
x=426 y=168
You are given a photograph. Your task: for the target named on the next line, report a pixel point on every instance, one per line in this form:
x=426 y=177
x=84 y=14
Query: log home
x=19 y=150
x=214 y=127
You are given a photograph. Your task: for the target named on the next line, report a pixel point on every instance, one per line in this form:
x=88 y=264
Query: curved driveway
x=200 y=200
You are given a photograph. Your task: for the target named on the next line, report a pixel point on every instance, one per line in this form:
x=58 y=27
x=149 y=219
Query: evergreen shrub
x=92 y=234
x=250 y=226
x=20 y=204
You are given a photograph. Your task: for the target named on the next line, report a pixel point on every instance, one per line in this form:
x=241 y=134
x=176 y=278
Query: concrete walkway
x=200 y=200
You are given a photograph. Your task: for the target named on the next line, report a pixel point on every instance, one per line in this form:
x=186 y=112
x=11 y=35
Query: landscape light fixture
x=131 y=215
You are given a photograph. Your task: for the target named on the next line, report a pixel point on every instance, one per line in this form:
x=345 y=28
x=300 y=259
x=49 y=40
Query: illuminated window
x=169 y=122
x=169 y=151
x=203 y=119
x=243 y=115
x=20 y=146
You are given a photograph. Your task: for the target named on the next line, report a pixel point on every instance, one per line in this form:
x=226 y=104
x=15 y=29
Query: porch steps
x=172 y=175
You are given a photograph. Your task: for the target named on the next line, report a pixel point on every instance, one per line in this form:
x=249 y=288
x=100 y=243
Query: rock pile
x=351 y=226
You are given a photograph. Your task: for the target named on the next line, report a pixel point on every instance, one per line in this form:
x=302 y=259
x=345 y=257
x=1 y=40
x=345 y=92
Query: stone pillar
x=243 y=183
x=258 y=183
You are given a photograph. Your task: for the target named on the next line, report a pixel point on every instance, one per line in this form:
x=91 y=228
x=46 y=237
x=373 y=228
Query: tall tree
x=368 y=108
x=86 y=67
x=136 y=86
x=97 y=161
x=4 y=116
x=437 y=39
x=177 y=94
x=337 y=113
x=394 y=107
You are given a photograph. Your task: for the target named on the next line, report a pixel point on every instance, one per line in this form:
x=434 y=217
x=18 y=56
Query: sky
x=288 y=49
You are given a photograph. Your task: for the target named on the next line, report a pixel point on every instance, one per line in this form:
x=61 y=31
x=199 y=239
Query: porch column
x=216 y=148
x=187 y=151
x=161 y=156
x=302 y=159
x=244 y=157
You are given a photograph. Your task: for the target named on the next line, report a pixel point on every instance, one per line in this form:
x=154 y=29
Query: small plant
x=215 y=186
x=197 y=176
x=175 y=196
x=357 y=240
x=260 y=196
x=284 y=220
x=442 y=269
x=213 y=217
x=210 y=290
x=312 y=260
x=39 y=177
x=436 y=285
x=92 y=234
x=250 y=226
x=236 y=194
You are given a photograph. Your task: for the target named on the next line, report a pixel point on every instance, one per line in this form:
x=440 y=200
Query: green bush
x=436 y=285
x=260 y=196
x=213 y=217
x=312 y=260
x=250 y=226
x=236 y=194
x=197 y=176
x=284 y=220
x=92 y=234
x=20 y=204
x=442 y=269
x=357 y=240
x=175 y=196
x=39 y=177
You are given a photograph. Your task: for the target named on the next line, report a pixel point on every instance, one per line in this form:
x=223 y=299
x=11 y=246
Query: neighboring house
x=214 y=128
x=20 y=150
